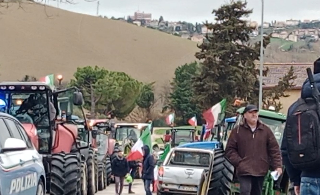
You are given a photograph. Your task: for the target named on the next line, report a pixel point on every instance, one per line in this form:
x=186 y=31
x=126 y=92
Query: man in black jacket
x=120 y=169
x=147 y=169
x=305 y=182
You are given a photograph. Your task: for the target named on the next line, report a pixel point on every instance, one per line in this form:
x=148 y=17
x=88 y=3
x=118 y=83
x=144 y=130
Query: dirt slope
x=32 y=43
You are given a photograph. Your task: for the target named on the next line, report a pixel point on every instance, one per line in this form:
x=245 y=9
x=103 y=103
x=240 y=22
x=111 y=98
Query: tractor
x=89 y=164
x=181 y=135
x=100 y=132
x=35 y=104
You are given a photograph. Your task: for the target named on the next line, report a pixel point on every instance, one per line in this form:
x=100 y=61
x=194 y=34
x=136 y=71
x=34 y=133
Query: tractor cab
x=128 y=131
x=33 y=104
x=100 y=137
x=180 y=135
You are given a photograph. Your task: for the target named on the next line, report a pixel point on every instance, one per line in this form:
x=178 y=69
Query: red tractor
x=100 y=140
x=35 y=105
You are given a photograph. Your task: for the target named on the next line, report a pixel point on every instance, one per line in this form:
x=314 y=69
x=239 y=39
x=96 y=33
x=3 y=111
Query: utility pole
x=98 y=8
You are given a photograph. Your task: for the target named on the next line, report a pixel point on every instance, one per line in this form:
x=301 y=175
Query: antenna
x=98 y=3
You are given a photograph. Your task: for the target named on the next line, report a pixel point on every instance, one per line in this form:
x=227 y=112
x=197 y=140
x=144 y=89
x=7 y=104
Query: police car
x=21 y=168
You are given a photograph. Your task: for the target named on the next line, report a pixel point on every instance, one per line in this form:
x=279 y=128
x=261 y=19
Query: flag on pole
x=193 y=121
x=166 y=151
x=49 y=80
x=212 y=115
x=145 y=139
x=207 y=132
x=170 y=119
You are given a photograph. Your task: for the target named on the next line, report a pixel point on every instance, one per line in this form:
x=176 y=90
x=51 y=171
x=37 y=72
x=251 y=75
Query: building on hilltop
x=292 y=22
x=141 y=16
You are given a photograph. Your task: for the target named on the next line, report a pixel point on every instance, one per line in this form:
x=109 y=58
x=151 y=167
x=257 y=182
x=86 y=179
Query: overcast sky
x=195 y=10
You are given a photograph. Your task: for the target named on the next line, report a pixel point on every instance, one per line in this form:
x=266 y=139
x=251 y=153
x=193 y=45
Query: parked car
x=21 y=168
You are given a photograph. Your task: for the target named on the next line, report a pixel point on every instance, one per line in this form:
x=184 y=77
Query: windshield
x=27 y=107
x=276 y=126
x=31 y=107
x=129 y=132
x=187 y=158
x=182 y=136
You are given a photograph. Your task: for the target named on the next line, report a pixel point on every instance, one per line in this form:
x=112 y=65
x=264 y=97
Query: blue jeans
x=147 y=184
x=310 y=186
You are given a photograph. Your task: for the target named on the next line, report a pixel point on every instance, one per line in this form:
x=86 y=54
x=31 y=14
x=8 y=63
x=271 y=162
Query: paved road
x=137 y=188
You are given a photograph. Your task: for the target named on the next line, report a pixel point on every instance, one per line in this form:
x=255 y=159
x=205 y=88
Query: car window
x=16 y=133
x=5 y=134
x=190 y=158
x=25 y=135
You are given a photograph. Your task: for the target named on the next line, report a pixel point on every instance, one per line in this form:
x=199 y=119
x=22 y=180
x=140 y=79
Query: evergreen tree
x=180 y=98
x=228 y=60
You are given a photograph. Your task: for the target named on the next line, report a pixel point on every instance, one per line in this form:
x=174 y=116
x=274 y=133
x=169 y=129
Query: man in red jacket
x=250 y=148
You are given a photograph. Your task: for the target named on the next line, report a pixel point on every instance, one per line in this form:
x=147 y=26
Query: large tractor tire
x=84 y=179
x=221 y=176
x=96 y=170
x=65 y=174
x=101 y=176
x=108 y=171
x=91 y=173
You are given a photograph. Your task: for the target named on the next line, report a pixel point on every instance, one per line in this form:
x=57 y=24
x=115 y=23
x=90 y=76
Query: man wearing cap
x=252 y=149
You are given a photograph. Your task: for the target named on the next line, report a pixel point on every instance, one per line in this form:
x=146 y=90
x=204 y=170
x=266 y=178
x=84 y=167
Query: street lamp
x=60 y=78
x=261 y=55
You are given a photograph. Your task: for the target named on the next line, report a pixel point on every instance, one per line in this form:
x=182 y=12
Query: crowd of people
x=253 y=148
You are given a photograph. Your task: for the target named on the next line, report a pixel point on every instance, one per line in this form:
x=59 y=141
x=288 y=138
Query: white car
x=21 y=168
x=182 y=170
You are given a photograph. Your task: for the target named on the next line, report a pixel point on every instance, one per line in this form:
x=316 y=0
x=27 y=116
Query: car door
x=19 y=168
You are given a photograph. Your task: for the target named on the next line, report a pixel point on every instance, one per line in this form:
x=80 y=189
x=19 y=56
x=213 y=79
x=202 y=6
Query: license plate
x=187 y=188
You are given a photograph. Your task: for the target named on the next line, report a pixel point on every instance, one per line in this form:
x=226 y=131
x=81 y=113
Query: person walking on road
x=133 y=166
x=147 y=169
x=306 y=182
x=120 y=169
x=250 y=148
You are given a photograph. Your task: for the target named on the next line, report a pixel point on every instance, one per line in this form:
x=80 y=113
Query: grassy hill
x=35 y=44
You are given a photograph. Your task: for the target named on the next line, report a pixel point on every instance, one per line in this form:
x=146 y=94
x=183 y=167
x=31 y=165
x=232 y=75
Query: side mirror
x=77 y=98
x=13 y=144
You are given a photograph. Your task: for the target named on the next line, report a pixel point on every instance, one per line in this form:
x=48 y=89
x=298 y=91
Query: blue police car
x=21 y=168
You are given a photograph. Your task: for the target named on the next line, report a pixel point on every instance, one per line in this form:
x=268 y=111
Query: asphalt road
x=137 y=188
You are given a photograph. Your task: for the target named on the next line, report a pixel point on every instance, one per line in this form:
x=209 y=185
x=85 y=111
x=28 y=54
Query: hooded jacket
x=148 y=164
x=306 y=92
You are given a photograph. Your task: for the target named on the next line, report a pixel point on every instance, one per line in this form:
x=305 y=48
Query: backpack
x=302 y=135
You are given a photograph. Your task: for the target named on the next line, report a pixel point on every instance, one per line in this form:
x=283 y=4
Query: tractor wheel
x=221 y=176
x=96 y=170
x=91 y=173
x=84 y=180
x=65 y=173
x=101 y=176
x=108 y=170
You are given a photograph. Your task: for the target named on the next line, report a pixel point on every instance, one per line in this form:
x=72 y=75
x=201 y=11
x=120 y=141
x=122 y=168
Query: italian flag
x=49 y=80
x=170 y=119
x=136 y=150
x=212 y=115
x=193 y=121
